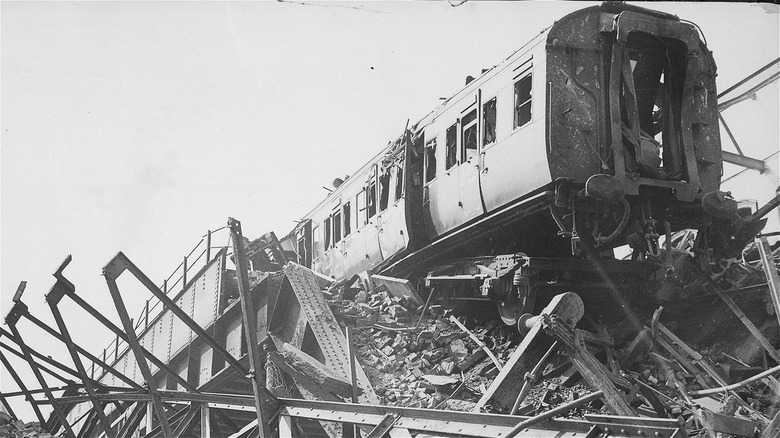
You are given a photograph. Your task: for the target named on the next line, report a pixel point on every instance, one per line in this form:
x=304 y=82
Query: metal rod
x=249 y=317
x=111 y=272
x=729 y=103
x=30 y=317
x=755 y=378
x=552 y=413
x=749 y=77
x=43 y=358
x=728 y=131
x=532 y=377
x=475 y=339
x=20 y=383
x=425 y=307
x=40 y=391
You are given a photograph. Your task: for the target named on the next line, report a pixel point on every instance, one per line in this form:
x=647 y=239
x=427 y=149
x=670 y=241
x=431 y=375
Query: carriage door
x=304 y=242
x=468 y=169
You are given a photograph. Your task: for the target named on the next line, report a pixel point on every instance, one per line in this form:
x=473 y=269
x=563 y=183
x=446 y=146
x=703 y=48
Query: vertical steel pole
x=205 y=418
x=257 y=366
x=111 y=272
x=353 y=377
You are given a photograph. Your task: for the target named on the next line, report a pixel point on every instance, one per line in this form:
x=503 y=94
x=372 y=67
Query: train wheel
x=511 y=308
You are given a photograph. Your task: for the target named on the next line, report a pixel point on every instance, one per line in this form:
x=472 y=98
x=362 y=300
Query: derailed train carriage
x=602 y=131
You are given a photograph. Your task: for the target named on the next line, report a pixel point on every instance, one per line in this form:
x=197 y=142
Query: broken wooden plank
x=591 y=369
x=399 y=288
x=641 y=344
x=694 y=355
x=473 y=359
x=727 y=424
x=506 y=386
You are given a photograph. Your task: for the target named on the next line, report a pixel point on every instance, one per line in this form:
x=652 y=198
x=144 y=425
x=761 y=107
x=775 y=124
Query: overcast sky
x=136 y=127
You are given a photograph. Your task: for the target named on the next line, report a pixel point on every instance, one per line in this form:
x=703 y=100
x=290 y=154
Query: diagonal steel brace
x=53 y=298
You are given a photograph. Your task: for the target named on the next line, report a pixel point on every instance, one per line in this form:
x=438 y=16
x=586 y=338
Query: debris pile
x=19 y=429
x=693 y=365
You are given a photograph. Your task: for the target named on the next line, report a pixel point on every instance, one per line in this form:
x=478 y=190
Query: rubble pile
x=671 y=365
x=430 y=364
x=19 y=429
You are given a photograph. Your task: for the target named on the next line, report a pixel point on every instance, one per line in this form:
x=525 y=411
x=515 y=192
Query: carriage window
x=315 y=248
x=336 y=227
x=347 y=219
x=489 y=121
x=469 y=124
x=523 y=101
x=384 y=189
x=452 y=146
x=371 y=199
x=362 y=211
x=326 y=231
x=430 y=161
x=399 y=182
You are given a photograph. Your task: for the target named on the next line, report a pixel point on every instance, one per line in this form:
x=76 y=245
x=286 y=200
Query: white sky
x=136 y=127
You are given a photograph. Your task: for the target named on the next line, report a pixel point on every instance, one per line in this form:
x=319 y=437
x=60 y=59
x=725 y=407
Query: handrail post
x=184 y=274
x=208 y=246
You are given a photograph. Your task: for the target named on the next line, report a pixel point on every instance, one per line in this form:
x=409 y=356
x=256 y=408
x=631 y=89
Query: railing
x=202 y=253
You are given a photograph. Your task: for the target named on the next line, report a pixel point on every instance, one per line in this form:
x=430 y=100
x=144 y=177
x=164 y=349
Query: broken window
x=336 y=226
x=326 y=231
x=399 y=182
x=652 y=86
x=315 y=253
x=523 y=101
x=452 y=146
x=430 y=161
x=469 y=124
x=302 y=250
x=347 y=219
x=371 y=199
x=489 y=121
x=384 y=189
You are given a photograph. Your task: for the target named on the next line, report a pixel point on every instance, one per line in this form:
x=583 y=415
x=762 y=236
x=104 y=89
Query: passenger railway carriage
x=600 y=131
